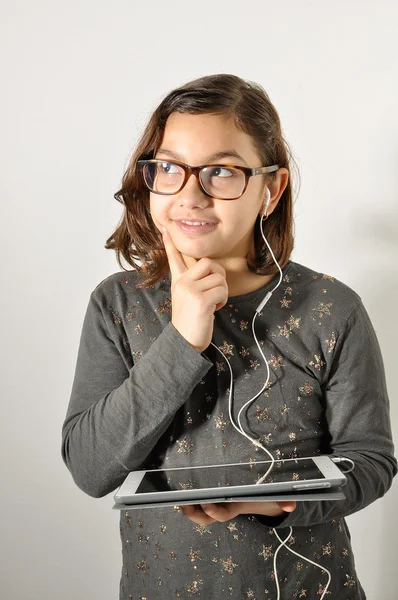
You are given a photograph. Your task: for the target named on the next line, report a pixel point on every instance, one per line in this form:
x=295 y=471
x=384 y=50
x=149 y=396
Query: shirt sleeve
x=357 y=412
x=115 y=415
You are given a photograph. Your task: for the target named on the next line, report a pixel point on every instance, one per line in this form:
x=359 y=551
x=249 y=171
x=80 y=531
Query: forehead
x=197 y=137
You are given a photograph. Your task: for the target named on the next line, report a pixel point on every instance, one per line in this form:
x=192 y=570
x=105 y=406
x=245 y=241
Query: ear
x=276 y=189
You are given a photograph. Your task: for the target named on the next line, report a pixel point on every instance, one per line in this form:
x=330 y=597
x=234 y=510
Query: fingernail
x=163 y=229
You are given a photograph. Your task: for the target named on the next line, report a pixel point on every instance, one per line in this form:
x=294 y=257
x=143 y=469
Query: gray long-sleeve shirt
x=142 y=397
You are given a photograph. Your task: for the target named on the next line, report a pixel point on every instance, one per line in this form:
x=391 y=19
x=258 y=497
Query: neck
x=249 y=282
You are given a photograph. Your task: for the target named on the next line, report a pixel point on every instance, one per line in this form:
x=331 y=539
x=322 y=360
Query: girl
x=207 y=230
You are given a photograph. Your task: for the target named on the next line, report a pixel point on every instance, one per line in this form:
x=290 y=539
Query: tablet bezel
x=304 y=496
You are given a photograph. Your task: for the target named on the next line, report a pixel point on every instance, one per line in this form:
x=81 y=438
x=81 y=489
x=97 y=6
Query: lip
x=195 y=229
x=191 y=219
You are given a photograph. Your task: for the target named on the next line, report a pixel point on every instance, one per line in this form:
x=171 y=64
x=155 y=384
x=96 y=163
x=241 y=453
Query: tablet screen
x=228 y=475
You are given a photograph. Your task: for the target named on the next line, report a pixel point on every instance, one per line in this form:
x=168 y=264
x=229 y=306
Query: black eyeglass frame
x=248 y=172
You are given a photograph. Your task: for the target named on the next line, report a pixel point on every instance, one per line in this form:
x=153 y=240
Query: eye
x=167 y=167
x=221 y=172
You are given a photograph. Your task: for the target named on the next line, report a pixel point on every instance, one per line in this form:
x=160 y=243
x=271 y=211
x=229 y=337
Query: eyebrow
x=216 y=156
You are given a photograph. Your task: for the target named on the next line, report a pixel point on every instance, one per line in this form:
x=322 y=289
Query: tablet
x=300 y=496
x=229 y=482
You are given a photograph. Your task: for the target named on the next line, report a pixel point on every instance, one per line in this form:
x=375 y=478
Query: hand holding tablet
x=204 y=514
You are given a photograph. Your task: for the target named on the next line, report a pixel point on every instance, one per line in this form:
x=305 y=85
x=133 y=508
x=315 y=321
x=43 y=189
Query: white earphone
x=264 y=212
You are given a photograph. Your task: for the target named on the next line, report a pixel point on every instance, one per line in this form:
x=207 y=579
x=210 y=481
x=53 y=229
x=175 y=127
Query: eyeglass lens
x=219 y=181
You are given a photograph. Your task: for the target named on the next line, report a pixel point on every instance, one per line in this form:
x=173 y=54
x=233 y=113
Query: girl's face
x=194 y=140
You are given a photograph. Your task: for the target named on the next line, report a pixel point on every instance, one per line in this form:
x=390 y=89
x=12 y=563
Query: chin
x=196 y=250
x=195 y=255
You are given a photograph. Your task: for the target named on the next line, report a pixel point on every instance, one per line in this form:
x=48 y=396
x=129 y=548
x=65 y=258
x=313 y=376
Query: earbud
x=264 y=212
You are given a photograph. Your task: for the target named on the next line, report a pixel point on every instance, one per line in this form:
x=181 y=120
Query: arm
x=115 y=416
x=357 y=413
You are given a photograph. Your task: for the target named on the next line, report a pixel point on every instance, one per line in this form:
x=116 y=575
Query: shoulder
x=118 y=293
x=316 y=284
x=321 y=297
x=127 y=282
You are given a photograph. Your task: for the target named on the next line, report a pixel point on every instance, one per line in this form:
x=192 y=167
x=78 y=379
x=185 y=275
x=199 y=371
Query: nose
x=192 y=194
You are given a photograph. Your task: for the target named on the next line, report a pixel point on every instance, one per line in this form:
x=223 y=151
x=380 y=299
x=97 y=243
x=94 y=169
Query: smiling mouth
x=195 y=226
x=195 y=223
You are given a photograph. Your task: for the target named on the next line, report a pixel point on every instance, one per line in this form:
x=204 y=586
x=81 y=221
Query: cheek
x=160 y=209
x=156 y=209
x=152 y=205
x=243 y=220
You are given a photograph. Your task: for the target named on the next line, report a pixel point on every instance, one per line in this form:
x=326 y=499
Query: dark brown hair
x=136 y=237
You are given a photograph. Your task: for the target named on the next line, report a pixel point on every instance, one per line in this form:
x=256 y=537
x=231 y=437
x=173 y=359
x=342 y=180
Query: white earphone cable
x=257 y=443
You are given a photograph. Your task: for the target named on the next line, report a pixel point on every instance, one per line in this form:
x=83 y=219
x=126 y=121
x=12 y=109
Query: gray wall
x=79 y=81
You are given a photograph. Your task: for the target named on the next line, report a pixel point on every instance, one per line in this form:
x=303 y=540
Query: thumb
x=287 y=505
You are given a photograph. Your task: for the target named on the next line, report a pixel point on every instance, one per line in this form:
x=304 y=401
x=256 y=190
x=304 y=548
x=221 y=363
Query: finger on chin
x=176 y=260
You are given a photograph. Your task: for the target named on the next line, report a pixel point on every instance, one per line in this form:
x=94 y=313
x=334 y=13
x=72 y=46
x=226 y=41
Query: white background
x=79 y=81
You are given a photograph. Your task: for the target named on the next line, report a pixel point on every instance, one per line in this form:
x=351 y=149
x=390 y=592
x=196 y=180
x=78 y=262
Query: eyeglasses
x=222 y=182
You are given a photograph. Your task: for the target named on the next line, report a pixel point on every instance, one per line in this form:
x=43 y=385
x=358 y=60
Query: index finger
x=196 y=514
x=175 y=258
